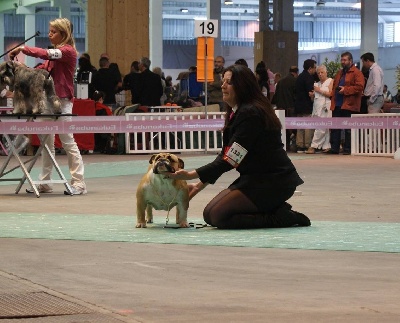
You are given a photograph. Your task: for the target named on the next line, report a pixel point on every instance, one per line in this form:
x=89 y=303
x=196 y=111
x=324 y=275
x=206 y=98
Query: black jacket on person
x=266 y=165
x=106 y=80
x=285 y=92
x=150 y=88
x=304 y=84
x=132 y=82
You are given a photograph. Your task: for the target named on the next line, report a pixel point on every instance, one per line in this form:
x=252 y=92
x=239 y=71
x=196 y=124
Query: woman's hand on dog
x=15 y=52
x=182 y=174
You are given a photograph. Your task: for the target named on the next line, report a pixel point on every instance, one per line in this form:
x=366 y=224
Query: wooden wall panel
x=124 y=33
x=96 y=29
x=278 y=49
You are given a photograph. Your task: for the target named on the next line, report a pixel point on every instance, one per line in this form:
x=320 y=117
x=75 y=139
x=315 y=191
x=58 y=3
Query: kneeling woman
x=252 y=144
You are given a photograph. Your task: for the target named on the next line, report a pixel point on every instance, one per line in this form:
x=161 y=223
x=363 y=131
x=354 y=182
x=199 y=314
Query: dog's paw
x=141 y=225
x=57 y=106
x=149 y=220
x=184 y=224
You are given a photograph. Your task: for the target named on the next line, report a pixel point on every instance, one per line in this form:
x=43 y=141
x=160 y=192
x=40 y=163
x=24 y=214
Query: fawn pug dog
x=33 y=88
x=157 y=191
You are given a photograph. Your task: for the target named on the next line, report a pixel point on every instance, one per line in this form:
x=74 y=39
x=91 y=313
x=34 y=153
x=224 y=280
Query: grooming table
x=31 y=162
x=6 y=110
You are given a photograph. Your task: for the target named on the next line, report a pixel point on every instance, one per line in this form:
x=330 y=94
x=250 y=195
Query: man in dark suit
x=284 y=97
x=132 y=82
x=106 y=80
x=150 y=85
x=303 y=104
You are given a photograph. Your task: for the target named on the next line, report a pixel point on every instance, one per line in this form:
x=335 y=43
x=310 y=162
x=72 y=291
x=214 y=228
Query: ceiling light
x=228 y=2
x=307 y=13
x=297 y=4
x=320 y=3
x=184 y=10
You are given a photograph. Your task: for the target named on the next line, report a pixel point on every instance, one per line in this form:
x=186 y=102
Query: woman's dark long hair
x=247 y=91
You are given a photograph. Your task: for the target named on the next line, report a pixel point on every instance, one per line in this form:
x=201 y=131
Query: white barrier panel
x=377 y=134
x=374 y=141
x=180 y=141
x=174 y=141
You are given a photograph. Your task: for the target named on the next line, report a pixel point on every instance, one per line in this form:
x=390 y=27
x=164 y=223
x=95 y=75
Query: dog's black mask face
x=165 y=162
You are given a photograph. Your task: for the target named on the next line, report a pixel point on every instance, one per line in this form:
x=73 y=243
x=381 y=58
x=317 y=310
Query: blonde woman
x=60 y=62
x=321 y=109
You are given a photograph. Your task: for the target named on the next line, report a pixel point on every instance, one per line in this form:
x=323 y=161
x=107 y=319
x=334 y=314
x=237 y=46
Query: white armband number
x=235 y=154
x=54 y=53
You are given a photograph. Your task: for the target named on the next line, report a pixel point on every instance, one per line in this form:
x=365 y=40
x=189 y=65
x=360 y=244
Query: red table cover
x=85 y=141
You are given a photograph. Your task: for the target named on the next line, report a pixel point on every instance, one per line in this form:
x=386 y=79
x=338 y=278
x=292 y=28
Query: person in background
x=85 y=67
x=347 y=89
x=252 y=145
x=364 y=99
x=150 y=85
x=214 y=88
x=115 y=69
x=241 y=61
x=387 y=96
x=170 y=89
x=107 y=81
x=60 y=61
x=303 y=105
x=271 y=77
x=277 y=78
x=262 y=79
x=101 y=139
x=131 y=82
x=159 y=71
x=374 y=86
x=284 y=100
x=321 y=109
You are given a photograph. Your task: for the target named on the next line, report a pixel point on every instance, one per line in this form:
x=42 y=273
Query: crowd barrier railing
x=375 y=141
x=372 y=134
x=173 y=141
x=179 y=141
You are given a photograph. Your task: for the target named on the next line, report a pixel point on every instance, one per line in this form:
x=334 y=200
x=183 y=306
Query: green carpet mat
x=350 y=236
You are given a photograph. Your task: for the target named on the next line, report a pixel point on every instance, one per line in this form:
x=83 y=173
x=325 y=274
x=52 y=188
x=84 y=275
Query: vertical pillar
x=30 y=26
x=156 y=33
x=369 y=27
x=2 y=35
x=30 y=29
x=263 y=15
x=64 y=8
x=214 y=12
x=278 y=48
x=283 y=15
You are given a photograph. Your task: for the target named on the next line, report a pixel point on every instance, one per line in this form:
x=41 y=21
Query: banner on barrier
x=121 y=125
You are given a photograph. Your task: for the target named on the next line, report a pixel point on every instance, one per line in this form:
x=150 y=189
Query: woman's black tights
x=231 y=209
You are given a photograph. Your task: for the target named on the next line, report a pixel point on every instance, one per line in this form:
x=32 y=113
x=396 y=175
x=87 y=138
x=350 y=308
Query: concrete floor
x=144 y=282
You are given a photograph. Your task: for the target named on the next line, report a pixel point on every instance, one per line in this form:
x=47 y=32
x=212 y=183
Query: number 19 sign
x=206 y=28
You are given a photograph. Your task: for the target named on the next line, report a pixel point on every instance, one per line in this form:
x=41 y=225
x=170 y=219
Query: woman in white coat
x=321 y=109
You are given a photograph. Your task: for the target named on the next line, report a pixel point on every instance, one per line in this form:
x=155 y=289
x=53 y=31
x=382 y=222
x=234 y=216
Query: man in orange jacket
x=348 y=86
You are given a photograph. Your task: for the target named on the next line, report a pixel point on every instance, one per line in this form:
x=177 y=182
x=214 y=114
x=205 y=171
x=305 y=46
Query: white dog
x=157 y=191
